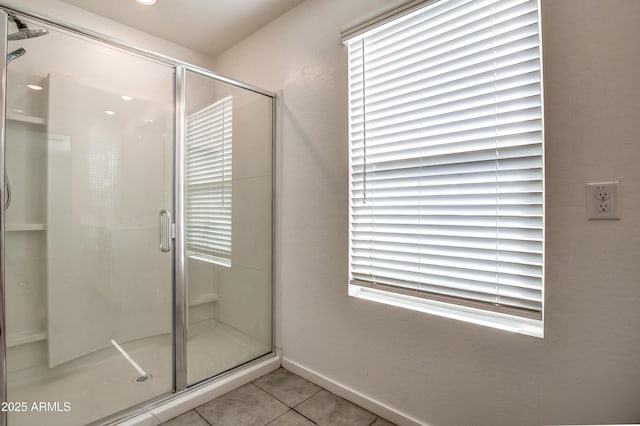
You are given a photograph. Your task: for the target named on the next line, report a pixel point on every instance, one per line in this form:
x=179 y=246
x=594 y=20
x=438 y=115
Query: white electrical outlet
x=603 y=201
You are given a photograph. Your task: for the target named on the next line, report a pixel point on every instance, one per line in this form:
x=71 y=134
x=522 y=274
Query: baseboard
x=352 y=395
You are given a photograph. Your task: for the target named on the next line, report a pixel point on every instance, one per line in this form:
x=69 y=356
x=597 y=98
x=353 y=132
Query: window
x=208 y=183
x=446 y=162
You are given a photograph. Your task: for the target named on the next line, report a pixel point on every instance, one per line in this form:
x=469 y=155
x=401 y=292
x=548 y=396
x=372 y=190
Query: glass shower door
x=88 y=256
x=227 y=225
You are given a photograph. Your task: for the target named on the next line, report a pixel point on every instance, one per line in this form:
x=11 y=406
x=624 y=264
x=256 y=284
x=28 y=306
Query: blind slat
x=446 y=155
x=208 y=182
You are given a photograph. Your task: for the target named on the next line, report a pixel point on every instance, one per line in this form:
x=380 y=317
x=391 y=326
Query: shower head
x=23 y=31
x=15 y=54
x=27 y=33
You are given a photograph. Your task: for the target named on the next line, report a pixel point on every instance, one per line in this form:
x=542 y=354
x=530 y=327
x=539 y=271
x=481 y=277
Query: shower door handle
x=165 y=230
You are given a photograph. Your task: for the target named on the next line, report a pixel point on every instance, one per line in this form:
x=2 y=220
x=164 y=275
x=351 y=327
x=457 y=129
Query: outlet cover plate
x=603 y=201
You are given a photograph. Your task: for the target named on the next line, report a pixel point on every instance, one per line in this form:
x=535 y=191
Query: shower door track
x=179 y=264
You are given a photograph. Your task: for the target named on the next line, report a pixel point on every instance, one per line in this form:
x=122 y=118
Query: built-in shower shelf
x=205 y=298
x=23 y=118
x=25 y=227
x=24 y=338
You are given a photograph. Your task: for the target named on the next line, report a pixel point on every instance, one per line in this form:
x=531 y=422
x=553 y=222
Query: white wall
x=435 y=370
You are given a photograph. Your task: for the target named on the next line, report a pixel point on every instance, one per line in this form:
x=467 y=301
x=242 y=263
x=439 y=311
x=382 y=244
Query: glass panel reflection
x=88 y=292
x=228 y=227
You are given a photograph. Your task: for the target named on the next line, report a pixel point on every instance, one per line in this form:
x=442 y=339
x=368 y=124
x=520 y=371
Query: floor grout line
x=205 y=420
x=278 y=417
x=311 y=420
x=273 y=396
x=289 y=406
x=310 y=396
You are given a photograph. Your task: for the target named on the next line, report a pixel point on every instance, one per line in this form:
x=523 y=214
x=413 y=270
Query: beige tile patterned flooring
x=280 y=398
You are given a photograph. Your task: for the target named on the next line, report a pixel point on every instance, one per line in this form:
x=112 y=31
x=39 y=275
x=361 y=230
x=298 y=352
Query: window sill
x=529 y=327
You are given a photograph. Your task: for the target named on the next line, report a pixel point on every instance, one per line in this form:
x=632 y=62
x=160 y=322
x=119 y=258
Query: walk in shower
x=137 y=226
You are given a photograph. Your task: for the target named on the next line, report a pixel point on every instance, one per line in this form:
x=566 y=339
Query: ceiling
x=207 y=26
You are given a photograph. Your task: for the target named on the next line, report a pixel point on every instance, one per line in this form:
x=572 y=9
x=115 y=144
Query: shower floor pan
x=104 y=382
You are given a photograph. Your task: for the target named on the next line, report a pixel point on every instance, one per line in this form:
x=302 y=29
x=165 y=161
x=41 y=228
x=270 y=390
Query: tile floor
x=280 y=398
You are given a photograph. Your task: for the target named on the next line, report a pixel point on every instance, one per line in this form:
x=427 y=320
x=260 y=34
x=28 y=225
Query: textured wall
x=436 y=370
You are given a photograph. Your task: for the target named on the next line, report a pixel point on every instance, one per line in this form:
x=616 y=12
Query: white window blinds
x=446 y=155
x=208 y=183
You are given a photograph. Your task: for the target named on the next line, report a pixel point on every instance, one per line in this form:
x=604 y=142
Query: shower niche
x=25 y=219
